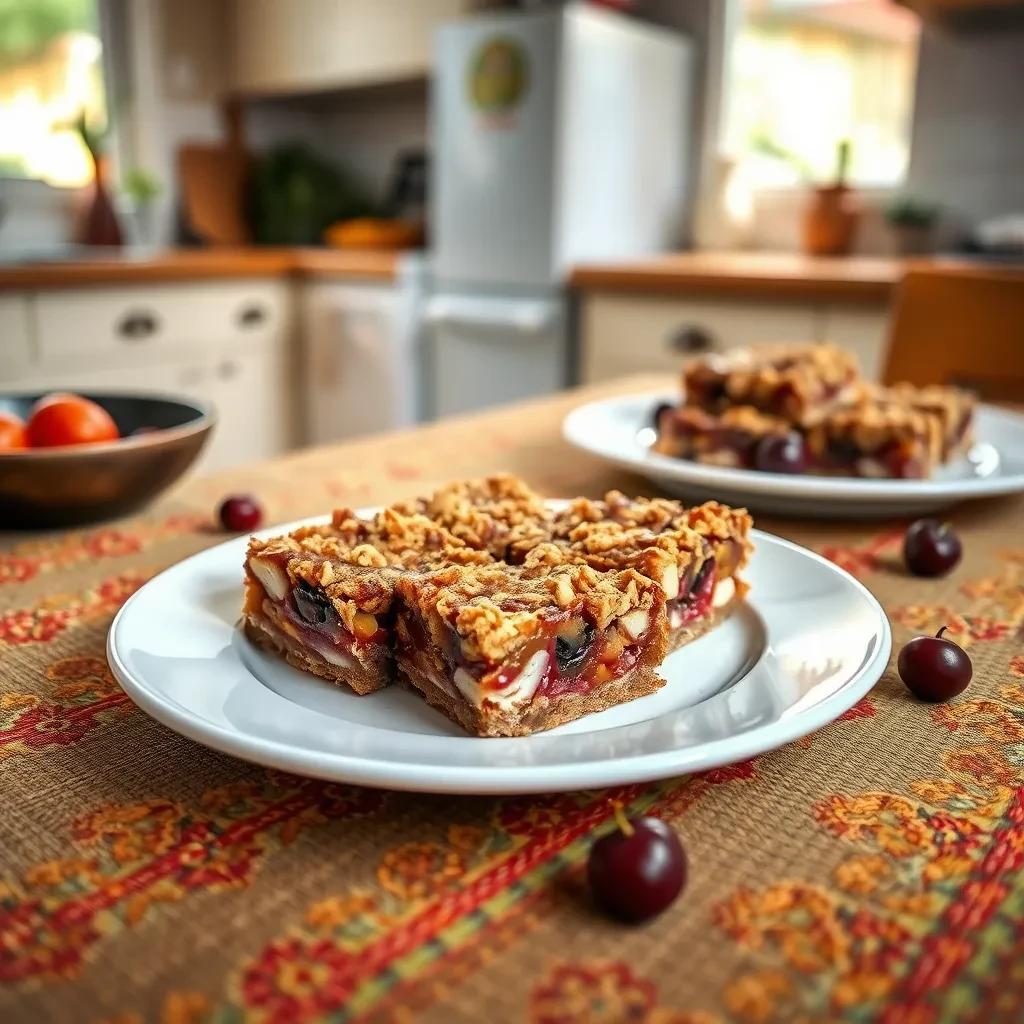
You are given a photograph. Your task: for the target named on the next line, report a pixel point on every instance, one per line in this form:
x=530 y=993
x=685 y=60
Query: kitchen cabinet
x=15 y=339
x=622 y=333
x=330 y=44
x=364 y=357
x=78 y=326
x=227 y=343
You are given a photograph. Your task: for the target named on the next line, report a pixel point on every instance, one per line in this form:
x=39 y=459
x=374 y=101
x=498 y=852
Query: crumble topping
x=495 y=608
x=871 y=424
x=795 y=379
x=484 y=514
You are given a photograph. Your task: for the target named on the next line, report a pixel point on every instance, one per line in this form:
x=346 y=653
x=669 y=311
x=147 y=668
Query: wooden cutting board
x=213 y=179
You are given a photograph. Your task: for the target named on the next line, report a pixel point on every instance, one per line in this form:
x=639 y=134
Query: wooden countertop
x=200 y=264
x=754 y=274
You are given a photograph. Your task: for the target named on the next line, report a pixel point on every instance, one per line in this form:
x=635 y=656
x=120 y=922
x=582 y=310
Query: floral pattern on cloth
x=130 y=858
x=60 y=612
x=84 y=694
x=34 y=558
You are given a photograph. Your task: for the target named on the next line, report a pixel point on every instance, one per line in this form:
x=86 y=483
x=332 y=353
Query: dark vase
x=99 y=224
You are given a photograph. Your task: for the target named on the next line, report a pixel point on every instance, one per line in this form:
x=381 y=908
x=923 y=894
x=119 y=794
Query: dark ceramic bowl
x=75 y=484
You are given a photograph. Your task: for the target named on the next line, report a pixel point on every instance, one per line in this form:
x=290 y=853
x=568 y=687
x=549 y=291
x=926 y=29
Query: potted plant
x=913 y=224
x=830 y=221
x=142 y=190
x=99 y=224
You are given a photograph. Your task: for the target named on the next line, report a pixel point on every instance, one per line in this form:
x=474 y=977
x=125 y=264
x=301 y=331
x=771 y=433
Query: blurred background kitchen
x=334 y=217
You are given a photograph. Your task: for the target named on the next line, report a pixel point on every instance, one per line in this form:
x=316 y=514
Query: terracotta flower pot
x=830 y=221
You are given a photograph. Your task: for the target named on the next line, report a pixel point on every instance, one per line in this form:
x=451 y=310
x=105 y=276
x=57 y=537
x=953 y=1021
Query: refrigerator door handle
x=498 y=315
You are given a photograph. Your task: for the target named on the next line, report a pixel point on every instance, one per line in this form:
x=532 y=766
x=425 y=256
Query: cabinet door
x=247 y=390
x=624 y=334
x=360 y=368
x=15 y=341
x=863 y=331
x=250 y=396
x=333 y=43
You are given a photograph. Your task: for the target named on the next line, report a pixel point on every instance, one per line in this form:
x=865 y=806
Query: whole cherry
x=931 y=548
x=637 y=870
x=934 y=668
x=781 y=453
x=240 y=513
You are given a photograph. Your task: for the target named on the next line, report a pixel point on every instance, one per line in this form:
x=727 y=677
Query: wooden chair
x=960 y=324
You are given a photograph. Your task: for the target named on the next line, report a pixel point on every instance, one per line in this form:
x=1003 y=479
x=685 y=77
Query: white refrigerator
x=558 y=137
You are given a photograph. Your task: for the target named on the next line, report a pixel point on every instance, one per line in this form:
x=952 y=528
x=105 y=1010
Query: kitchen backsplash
x=968 y=137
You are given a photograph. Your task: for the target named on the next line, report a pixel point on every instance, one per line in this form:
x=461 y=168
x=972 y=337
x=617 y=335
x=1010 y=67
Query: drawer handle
x=138 y=326
x=252 y=316
x=691 y=340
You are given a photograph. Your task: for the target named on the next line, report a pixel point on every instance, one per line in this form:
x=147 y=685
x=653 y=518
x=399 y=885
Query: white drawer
x=623 y=334
x=15 y=337
x=77 y=326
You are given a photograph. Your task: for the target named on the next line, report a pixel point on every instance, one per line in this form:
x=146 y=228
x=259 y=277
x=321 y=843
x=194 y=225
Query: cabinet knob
x=691 y=339
x=251 y=315
x=227 y=369
x=138 y=325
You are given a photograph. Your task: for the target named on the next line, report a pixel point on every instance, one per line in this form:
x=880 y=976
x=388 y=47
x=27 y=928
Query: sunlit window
x=805 y=75
x=51 y=78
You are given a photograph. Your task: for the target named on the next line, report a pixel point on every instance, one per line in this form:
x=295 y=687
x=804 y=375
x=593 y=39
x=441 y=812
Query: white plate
x=620 y=431
x=810 y=642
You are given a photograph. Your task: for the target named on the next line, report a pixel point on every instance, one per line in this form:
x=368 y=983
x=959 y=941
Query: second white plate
x=620 y=431
x=808 y=645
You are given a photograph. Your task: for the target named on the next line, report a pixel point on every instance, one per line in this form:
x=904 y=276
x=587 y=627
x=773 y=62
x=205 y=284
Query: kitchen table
x=868 y=872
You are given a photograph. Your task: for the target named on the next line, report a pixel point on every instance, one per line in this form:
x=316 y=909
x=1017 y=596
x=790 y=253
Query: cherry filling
x=696 y=602
x=578 y=657
x=313 y=605
x=741 y=442
x=894 y=459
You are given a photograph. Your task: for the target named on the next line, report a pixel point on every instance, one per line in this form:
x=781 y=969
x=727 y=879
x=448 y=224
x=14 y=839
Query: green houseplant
x=913 y=223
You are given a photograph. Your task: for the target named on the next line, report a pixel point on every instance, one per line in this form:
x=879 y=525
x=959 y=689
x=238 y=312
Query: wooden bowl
x=76 y=484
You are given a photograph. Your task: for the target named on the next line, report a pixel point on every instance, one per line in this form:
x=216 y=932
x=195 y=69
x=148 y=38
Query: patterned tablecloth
x=869 y=872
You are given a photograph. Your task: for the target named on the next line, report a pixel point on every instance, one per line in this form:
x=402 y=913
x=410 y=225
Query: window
x=51 y=76
x=802 y=76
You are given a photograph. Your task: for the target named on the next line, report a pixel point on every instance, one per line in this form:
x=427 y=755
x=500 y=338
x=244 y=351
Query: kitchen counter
x=890 y=837
x=198 y=264
x=755 y=274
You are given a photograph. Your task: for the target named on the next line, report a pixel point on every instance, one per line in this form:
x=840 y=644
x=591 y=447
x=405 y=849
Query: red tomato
x=12 y=433
x=68 y=419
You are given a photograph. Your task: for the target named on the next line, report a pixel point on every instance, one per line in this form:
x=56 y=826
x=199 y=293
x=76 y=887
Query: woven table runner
x=870 y=872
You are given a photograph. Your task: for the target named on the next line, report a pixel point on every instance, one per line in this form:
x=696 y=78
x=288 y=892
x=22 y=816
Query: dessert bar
x=953 y=407
x=794 y=382
x=509 y=650
x=880 y=439
x=876 y=436
x=322 y=595
x=508 y=613
x=730 y=438
x=694 y=554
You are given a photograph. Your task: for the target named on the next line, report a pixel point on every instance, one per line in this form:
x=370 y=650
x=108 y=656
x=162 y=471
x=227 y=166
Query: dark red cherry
x=780 y=453
x=934 y=668
x=636 y=871
x=931 y=548
x=659 y=410
x=240 y=513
